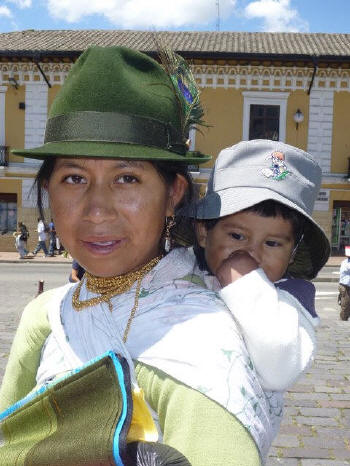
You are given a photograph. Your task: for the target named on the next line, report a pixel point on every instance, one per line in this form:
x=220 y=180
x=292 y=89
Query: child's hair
x=268 y=208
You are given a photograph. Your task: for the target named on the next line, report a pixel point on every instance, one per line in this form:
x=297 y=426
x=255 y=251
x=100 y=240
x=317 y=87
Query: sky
x=210 y=15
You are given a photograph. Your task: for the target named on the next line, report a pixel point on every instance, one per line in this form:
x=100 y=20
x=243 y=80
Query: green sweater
x=202 y=430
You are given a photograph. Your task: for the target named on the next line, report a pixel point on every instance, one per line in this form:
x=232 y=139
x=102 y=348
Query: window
x=8 y=212
x=264 y=115
x=264 y=122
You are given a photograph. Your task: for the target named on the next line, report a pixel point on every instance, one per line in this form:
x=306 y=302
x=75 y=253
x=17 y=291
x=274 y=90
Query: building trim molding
x=247 y=77
x=25 y=73
x=270 y=78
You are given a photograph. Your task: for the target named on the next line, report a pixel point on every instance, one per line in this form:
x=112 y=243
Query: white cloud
x=144 y=14
x=21 y=3
x=277 y=16
x=4 y=11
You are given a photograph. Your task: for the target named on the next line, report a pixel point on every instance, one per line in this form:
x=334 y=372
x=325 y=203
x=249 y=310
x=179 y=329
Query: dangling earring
x=169 y=223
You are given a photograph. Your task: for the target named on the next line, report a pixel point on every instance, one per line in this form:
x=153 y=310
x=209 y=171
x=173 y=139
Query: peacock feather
x=185 y=88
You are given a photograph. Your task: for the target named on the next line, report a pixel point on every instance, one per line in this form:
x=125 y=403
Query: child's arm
x=277 y=324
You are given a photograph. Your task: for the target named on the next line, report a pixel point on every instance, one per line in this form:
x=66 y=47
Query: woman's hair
x=166 y=170
x=268 y=208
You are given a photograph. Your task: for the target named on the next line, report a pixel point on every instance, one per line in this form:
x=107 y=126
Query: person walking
x=42 y=236
x=52 y=240
x=344 y=286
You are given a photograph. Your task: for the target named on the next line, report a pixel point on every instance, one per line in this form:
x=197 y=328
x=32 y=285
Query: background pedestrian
x=19 y=242
x=344 y=286
x=24 y=235
x=77 y=272
x=42 y=236
x=52 y=238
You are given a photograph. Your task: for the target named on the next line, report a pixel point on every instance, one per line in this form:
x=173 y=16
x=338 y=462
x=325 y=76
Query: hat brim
x=313 y=251
x=110 y=150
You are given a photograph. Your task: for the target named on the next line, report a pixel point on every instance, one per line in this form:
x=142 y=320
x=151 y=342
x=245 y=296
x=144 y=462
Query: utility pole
x=217 y=15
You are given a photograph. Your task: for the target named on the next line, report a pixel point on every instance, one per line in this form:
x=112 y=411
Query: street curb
x=34 y=261
x=43 y=260
x=326 y=279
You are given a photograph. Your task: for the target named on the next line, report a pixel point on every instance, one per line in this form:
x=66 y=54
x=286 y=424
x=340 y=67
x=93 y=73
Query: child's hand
x=235 y=266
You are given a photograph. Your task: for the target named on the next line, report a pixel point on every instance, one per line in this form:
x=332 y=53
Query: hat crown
x=136 y=85
x=272 y=165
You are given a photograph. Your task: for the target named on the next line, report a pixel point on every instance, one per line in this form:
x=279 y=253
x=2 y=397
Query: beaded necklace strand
x=107 y=287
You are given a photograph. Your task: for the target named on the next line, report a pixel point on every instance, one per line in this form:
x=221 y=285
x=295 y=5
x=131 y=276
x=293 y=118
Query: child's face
x=268 y=240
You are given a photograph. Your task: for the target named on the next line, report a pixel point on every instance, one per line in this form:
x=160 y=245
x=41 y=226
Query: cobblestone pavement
x=315 y=429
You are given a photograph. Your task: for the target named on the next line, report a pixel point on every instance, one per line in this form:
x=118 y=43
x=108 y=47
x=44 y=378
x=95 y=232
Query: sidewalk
x=333 y=261
x=13 y=257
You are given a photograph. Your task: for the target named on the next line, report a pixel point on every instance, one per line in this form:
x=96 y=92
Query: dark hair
x=167 y=171
x=268 y=208
x=43 y=175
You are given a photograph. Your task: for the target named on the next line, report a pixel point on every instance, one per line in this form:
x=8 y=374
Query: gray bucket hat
x=254 y=171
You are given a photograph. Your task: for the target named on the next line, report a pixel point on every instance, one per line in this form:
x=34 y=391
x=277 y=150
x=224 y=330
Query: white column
x=35 y=116
x=319 y=142
x=3 y=90
x=29 y=198
x=192 y=137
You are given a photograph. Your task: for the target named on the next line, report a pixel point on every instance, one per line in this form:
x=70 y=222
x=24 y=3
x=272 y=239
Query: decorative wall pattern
x=28 y=72
x=270 y=78
x=238 y=76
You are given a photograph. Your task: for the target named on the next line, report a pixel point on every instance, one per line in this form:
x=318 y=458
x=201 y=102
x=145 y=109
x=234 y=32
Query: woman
x=114 y=169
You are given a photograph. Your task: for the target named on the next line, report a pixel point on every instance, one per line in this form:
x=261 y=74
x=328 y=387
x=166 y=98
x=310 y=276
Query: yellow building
x=286 y=86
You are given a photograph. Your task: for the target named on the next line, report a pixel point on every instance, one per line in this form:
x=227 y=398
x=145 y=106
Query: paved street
x=19 y=284
x=316 y=426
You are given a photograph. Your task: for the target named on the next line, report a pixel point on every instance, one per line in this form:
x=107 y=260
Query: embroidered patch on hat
x=278 y=168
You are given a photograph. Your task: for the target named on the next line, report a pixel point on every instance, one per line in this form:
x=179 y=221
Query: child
x=257 y=236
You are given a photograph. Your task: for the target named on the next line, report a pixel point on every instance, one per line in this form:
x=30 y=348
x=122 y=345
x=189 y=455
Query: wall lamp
x=13 y=82
x=298 y=118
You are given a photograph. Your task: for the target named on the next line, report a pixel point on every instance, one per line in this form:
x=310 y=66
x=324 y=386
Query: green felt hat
x=117 y=103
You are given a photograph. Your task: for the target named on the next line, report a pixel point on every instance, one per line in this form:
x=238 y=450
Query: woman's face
x=110 y=214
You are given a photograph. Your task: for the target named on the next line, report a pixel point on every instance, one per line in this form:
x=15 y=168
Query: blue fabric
x=302 y=290
x=41 y=245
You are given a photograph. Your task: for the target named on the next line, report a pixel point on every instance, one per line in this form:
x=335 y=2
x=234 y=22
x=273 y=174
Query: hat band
x=114 y=127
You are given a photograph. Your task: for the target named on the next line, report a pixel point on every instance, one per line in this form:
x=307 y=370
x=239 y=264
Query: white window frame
x=265 y=98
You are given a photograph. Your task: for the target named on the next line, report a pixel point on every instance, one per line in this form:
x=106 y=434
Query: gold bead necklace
x=107 y=287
